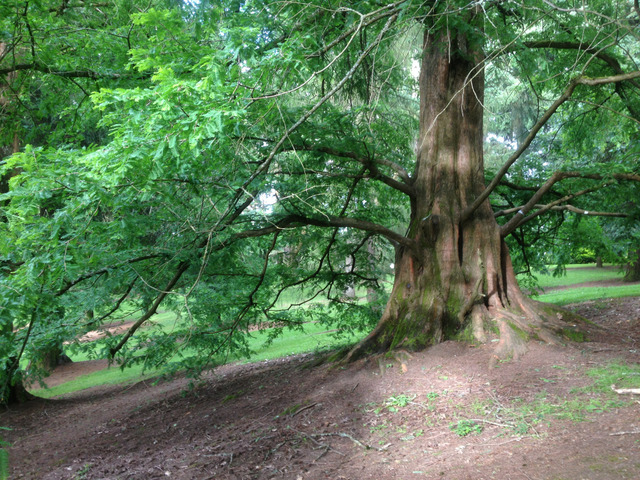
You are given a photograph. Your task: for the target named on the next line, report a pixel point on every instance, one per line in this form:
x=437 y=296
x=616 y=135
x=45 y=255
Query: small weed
x=232 y=396
x=4 y=458
x=479 y=407
x=521 y=428
x=82 y=473
x=378 y=428
x=394 y=403
x=465 y=427
x=412 y=435
x=432 y=396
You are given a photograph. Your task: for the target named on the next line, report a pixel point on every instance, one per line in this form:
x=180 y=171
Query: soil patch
x=285 y=419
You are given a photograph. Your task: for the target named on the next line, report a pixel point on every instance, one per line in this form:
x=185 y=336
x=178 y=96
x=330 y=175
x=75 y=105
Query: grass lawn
x=577 y=274
x=582 y=294
x=580 y=274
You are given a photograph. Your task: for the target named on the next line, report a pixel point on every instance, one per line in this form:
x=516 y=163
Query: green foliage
x=4 y=458
x=247 y=163
x=466 y=427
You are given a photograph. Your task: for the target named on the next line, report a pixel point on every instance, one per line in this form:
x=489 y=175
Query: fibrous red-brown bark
x=457 y=276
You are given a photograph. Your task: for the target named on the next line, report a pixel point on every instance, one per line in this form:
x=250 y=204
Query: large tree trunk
x=459 y=276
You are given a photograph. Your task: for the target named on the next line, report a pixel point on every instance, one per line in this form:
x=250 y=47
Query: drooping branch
x=372 y=165
x=151 y=311
x=294 y=220
x=610 y=60
x=70 y=284
x=511 y=225
x=290 y=221
x=373 y=17
x=264 y=166
x=521 y=212
x=581 y=80
x=555 y=178
x=119 y=302
x=590 y=213
x=39 y=67
x=521 y=221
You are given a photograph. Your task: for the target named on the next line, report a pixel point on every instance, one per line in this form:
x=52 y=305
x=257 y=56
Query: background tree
x=266 y=125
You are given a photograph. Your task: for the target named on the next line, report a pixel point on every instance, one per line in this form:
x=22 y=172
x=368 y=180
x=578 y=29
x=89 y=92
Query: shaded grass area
x=520 y=417
x=109 y=376
x=315 y=337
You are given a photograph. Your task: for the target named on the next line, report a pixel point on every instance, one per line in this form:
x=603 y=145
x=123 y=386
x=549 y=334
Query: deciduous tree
x=268 y=126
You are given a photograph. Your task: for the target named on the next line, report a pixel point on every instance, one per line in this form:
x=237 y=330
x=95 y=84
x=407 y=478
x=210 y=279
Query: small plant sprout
x=394 y=403
x=465 y=427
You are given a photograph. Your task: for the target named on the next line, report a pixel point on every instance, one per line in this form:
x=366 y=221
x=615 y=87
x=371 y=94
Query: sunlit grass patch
x=583 y=294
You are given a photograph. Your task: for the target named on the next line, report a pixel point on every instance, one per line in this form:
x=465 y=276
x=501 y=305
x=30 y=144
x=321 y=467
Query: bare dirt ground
x=286 y=419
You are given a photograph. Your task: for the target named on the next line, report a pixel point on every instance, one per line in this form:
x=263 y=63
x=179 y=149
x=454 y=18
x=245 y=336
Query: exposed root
x=478 y=316
x=511 y=344
x=523 y=321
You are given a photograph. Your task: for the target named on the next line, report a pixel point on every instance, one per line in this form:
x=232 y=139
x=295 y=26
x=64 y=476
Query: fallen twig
x=503 y=425
x=621 y=391
x=305 y=408
x=354 y=440
x=632 y=432
x=321 y=445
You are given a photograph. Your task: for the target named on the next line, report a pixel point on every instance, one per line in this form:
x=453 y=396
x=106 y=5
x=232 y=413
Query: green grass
x=619 y=374
x=583 y=294
x=315 y=337
x=109 y=376
x=290 y=342
x=580 y=274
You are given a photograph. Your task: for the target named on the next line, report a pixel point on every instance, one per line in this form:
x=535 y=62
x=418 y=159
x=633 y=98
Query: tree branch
x=583 y=47
x=538 y=126
x=371 y=165
x=513 y=223
x=504 y=232
x=266 y=163
x=182 y=267
x=589 y=213
x=122 y=298
x=60 y=73
x=294 y=221
x=81 y=278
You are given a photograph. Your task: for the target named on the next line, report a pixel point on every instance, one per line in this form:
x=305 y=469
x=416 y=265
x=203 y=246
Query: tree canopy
x=218 y=159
